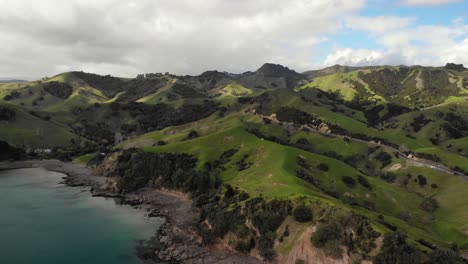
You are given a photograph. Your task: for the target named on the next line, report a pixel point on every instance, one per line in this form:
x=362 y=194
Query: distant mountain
x=12 y=80
x=330 y=70
x=272 y=76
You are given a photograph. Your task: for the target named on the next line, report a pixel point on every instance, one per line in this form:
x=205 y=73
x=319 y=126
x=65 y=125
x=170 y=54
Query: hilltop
x=367 y=150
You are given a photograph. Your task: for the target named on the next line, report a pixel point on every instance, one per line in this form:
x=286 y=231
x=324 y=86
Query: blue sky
x=430 y=32
x=443 y=14
x=124 y=38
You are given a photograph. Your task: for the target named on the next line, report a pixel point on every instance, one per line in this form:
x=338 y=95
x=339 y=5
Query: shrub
x=349 y=181
x=422 y=180
x=323 y=167
x=429 y=205
x=302 y=213
x=192 y=134
x=363 y=181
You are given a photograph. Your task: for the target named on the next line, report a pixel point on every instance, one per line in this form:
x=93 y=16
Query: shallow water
x=42 y=221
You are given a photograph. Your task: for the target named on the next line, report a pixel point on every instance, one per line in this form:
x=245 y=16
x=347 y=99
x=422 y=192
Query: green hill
x=373 y=149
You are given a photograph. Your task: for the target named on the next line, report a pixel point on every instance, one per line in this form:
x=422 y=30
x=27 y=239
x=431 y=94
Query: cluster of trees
x=12 y=95
x=329 y=236
x=108 y=85
x=384 y=158
x=58 y=89
x=98 y=132
x=8 y=152
x=154 y=117
x=419 y=122
x=6 y=113
x=223 y=212
x=456 y=126
x=348 y=230
x=296 y=116
x=259 y=134
x=136 y=169
x=395 y=249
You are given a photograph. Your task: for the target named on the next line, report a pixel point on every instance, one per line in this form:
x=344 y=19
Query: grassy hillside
x=35 y=129
x=335 y=144
x=273 y=173
x=410 y=86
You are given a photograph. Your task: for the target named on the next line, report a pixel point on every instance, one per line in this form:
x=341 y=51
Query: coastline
x=176 y=241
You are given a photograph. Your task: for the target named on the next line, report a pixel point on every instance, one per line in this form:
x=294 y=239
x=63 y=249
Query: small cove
x=43 y=221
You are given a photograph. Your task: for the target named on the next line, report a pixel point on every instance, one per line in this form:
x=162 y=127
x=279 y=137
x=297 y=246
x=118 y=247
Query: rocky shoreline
x=176 y=241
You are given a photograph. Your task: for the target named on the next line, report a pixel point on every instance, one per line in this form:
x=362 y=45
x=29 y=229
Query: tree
x=192 y=134
x=349 y=181
x=302 y=213
x=422 y=180
x=323 y=167
x=363 y=181
x=325 y=233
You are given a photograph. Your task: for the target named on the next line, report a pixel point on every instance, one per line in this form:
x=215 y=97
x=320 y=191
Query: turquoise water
x=42 y=221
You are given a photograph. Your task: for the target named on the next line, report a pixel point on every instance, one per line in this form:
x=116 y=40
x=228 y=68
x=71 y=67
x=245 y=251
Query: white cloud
x=190 y=36
x=362 y=57
x=420 y=45
x=429 y=2
x=184 y=37
x=379 y=24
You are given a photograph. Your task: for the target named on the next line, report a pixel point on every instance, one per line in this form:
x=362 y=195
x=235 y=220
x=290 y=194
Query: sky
x=124 y=38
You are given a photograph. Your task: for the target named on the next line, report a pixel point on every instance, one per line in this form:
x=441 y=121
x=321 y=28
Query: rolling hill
x=373 y=150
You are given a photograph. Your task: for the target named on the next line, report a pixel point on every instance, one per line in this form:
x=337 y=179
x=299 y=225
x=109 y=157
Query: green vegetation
x=266 y=164
x=84 y=159
x=302 y=213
